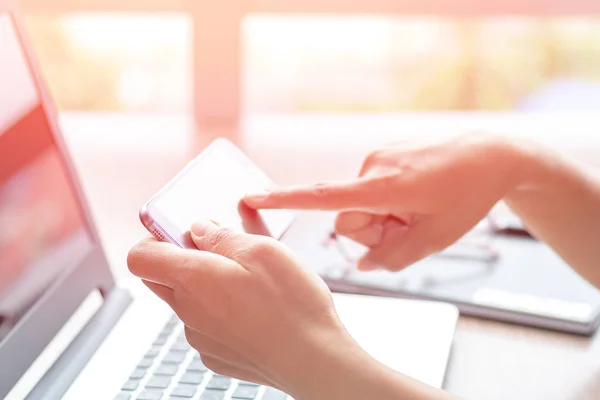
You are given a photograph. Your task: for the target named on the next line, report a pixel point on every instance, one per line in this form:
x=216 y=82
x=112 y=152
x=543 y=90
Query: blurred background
x=348 y=64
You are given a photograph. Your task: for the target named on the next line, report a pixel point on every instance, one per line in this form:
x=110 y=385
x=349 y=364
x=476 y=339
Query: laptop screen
x=42 y=228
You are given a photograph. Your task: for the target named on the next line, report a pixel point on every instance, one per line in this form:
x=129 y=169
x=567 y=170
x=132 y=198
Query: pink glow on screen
x=14 y=79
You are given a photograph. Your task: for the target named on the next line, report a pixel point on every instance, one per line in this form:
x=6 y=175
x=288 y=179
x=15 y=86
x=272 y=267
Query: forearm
x=345 y=371
x=559 y=202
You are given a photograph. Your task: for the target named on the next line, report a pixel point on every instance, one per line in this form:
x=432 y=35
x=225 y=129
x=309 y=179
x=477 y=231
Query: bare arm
x=343 y=370
x=559 y=201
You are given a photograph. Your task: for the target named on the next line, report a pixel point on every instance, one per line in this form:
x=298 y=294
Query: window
x=421 y=64
x=115 y=61
x=120 y=61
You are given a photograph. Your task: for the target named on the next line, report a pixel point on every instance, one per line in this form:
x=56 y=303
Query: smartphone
x=211 y=187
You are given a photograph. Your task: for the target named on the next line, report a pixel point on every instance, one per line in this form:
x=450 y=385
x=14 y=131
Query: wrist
x=336 y=367
x=317 y=363
x=518 y=163
x=536 y=166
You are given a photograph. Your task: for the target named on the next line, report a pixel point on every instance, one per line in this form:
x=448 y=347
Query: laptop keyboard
x=172 y=370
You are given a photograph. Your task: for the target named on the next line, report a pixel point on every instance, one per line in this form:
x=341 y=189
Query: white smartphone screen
x=211 y=187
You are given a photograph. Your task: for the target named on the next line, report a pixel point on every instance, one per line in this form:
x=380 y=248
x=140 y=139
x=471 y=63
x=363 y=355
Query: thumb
x=227 y=242
x=209 y=236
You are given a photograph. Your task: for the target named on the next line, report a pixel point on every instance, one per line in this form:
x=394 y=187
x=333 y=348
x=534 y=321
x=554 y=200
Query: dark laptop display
x=43 y=231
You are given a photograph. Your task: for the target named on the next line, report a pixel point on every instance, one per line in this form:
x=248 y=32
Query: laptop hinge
x=57 y=380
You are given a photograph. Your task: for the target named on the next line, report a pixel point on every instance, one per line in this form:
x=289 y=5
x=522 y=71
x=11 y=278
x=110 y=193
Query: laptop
x=68 y=330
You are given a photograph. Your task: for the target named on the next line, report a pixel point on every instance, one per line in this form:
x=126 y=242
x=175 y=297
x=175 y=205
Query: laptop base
x=57 y=380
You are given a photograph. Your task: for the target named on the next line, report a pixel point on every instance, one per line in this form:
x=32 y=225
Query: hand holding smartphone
x=212 y=187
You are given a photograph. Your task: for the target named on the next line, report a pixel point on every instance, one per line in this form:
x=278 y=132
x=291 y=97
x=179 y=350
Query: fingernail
x=201 y=228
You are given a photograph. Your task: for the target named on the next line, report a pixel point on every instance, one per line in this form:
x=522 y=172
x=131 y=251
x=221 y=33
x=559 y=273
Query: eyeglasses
x=475 y=248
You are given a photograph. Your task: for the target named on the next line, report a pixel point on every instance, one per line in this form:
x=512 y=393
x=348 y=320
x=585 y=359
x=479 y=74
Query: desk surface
x=123 y=160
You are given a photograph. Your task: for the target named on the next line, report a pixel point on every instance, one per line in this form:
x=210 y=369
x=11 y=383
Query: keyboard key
x=158 y=382
x=138 y=373
x=197 y=356
x=245 y=392
x=160 y=341
x=168 y=328
x=181 y=346
x=197 y=366
x=166 y=369
x=174 y=358
x=247 y=383
x=165 y=332
x=131 y=385
x=194 y=378
x=212 y=395
x=174 y=320
x=150 y=395
x=153 y=352
x=185 y=391
x=219 y=383
x=123 y=396
x=145 y=363
x=274 y=394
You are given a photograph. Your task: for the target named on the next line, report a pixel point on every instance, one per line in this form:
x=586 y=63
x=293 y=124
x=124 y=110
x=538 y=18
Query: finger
x=401 y=247
x=351 y=221
x=170 y=266
x=149 y=259
x=370 y=236
x=364 y=228
x=221 y=367
x=360 y=193
x=355 y=221
x=163 y=292
x=252 y=221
